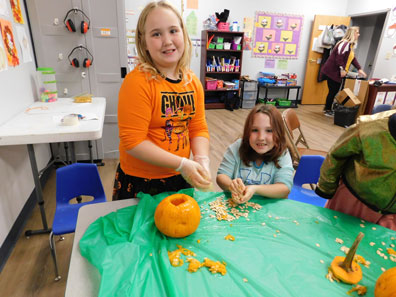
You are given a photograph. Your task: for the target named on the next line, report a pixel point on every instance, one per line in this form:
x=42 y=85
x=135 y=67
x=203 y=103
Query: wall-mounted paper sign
x=105 y=32
x=9 y=42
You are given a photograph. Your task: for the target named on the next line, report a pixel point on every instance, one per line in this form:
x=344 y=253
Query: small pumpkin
x=177 y=215
x=345 y=268
x=386 y=284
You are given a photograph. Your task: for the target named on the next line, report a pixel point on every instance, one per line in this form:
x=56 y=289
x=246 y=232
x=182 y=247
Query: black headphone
x=87 y=61
x=70 y=25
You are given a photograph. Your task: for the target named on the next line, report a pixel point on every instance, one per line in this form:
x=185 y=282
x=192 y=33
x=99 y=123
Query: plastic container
x=345 y=116
x=250 y=85
x=248 y=103
x=284 y=103
x=46 y=85
x=221 y=26
x=211 y=84
x=249 y=95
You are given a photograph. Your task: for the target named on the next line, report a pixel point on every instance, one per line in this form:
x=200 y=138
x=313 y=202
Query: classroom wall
x=17 y=92
x=239 y=10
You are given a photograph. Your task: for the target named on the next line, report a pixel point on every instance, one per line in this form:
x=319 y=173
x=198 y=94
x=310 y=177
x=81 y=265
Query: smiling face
x=261 y=137
x=164 y=40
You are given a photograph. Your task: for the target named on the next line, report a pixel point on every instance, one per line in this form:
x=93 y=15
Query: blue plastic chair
x=73 y=181
x=308 y=172
x=381 y=108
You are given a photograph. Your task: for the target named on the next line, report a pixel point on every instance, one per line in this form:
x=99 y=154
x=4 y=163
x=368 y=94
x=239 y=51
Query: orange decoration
x=386 y=284
x=345 y=268
x=177 y=216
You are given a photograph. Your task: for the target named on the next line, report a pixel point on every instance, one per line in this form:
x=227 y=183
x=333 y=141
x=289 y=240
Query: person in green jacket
x=358 y=175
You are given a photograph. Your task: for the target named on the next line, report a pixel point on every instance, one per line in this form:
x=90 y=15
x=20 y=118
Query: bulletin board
x=277 y=35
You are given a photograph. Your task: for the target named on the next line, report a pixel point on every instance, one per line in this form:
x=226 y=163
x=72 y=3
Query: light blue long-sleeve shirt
x=265 y=174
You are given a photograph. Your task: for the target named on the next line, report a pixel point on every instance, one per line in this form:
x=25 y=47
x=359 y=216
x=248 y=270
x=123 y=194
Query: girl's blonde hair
x=350 y=35
x=246 y=152
x=146 y=63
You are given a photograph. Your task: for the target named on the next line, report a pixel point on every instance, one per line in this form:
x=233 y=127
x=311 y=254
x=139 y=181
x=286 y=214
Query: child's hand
x=248 y=193
x=237 y=189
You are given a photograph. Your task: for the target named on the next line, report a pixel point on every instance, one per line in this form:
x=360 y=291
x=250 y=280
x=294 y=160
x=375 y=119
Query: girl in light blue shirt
x=260 y=162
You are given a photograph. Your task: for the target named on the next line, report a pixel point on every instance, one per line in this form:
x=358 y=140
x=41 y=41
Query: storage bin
x=221 y=26
x=219 y=46
x=248 y=103
x=211 y=84
x=249 y=95
x=229 y=85
x=284 y=103
x=250 y=85
x=46 y=85
x=271 y=102
x=345 y=116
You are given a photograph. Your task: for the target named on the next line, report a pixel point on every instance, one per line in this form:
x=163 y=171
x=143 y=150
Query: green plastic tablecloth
x=131 y=254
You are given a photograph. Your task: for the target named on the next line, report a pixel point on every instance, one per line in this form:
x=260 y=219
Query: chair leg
x=53 y=253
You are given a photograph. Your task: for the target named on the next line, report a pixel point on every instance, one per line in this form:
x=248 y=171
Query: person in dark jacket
x=337 y=65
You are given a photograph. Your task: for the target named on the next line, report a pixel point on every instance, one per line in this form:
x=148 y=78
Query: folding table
x=41 y=123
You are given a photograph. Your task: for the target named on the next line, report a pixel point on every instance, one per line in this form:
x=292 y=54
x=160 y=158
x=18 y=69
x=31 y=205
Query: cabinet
x=224 y=50
x=384 y=94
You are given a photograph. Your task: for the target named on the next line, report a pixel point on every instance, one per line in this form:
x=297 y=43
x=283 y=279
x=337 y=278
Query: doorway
x=371 y=27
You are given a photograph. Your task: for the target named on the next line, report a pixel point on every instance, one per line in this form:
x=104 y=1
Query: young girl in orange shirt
x=161 y=114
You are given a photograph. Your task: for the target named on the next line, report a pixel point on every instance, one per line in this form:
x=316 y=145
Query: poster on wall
x=24 y=44
x=16 y=11
x=9 y=43
x=3 y=57
x=277 y=35
x=3 y=8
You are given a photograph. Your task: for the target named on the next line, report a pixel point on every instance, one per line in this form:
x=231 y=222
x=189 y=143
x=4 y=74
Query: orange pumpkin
x=177 y=215
x=345 y=268
x=386 y=284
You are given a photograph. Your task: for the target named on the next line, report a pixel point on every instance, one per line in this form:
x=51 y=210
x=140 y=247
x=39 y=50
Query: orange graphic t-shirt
x=166 y=112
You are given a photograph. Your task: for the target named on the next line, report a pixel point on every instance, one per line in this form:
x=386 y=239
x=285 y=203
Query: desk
x=384 y=94
x=284 y=249
x=287 y=88
x=40 y=123
x=83 y=278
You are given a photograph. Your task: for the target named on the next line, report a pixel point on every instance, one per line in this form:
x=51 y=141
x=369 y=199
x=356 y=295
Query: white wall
x=17 y=91
x=240 y=9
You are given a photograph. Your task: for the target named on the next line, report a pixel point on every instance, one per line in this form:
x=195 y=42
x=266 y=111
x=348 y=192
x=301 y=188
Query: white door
x=105 y=40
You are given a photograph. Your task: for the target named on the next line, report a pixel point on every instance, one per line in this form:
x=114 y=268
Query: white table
x=41 y=123
x=84 y=279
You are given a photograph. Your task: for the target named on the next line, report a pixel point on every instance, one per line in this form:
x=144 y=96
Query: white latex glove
x=194 y=174
x=205 y=162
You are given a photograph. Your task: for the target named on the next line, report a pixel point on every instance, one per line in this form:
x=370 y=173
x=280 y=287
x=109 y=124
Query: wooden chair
x=292 y=124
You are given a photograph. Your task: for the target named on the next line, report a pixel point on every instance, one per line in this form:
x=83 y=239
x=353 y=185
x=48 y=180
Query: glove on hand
x=205 y=162
x=194 y=174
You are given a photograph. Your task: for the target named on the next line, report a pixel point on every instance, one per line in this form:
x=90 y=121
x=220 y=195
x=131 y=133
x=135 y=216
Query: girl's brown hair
x=246 y=152
x=146 y=63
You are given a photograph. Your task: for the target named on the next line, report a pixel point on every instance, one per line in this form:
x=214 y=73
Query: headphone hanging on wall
x=87 y=61
x=70 y=24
